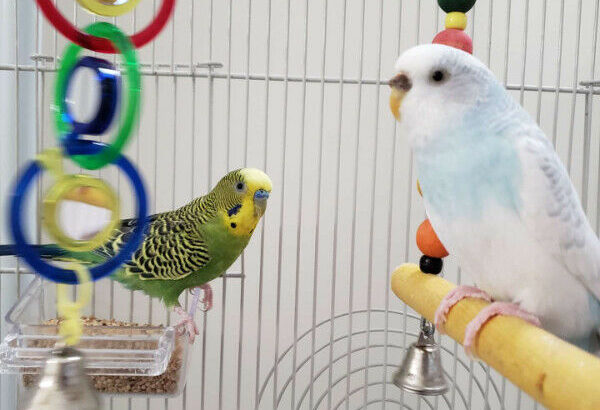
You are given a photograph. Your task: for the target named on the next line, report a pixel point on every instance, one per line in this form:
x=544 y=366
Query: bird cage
x=305 y=319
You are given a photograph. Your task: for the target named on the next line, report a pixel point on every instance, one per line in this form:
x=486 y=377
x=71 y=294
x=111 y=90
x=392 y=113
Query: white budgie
x=498 y=196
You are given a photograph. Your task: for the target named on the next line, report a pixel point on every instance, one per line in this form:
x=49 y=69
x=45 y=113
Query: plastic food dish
x=122 y=358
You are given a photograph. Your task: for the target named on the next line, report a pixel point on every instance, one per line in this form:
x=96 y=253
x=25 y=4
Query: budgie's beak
x=400 y=85
x=260 y=201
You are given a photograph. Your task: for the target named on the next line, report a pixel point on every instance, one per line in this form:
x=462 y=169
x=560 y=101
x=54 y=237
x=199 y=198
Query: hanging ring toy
x=65 y=128
x=108 y=78
x=31 y=255
x=68 y=184
x=59 y=192
x=102 y=45
x=108 y=8
x=70 y=327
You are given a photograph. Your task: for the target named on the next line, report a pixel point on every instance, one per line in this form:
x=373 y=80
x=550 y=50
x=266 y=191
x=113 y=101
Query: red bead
x=455 y=38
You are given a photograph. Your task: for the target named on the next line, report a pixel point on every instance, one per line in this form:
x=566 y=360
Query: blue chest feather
x=469 y=168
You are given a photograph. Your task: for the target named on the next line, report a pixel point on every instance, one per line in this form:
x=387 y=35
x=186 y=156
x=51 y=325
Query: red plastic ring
x=103 y=45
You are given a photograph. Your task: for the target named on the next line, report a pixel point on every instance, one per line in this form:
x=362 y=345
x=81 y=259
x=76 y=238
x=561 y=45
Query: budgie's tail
x=595 y=343
x=6 y=250
x=589 y=343
x=45 y=251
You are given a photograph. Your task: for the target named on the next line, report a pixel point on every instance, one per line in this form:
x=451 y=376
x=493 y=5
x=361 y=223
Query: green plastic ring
x=129 y=113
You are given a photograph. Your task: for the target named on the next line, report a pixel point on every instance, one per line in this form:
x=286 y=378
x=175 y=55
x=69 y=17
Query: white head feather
x=431 y=106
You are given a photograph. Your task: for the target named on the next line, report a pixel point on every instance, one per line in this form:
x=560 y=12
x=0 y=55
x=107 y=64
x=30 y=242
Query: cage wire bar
x=304 y=320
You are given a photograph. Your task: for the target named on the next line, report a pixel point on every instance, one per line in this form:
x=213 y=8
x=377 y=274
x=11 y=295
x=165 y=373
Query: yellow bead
x=456 y=20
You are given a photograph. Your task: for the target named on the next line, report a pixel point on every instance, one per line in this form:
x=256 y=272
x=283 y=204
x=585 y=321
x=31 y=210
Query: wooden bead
x=456 y=20
x=428 y=242
x=430 y=265
x=456 y=5
x=455 y=38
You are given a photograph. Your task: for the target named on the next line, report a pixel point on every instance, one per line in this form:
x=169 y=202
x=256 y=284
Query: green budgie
x=185 y=248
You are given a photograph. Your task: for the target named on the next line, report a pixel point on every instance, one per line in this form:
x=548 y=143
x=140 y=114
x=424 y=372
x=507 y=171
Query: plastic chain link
x=102 y=45
x=30 y=253
x=65 y=127
x=71 y=328
x=108 y=79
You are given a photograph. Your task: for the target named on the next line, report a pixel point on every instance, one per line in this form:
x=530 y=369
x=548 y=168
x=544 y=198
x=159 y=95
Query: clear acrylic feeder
x=121 y=358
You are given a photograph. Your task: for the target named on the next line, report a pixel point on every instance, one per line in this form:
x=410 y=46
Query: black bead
x=427 y=264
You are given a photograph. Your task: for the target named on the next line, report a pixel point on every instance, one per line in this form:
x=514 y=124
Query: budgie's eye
x=438 y=76
x=240 y=187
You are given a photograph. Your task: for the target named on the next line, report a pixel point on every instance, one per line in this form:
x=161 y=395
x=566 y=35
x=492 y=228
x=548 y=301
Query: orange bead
x=428 y=242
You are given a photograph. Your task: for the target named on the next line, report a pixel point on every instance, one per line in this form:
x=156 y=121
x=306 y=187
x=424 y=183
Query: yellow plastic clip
x=51 y=160
x=71 y=326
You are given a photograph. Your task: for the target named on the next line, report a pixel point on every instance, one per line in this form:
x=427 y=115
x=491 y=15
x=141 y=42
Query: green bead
x=456 y=5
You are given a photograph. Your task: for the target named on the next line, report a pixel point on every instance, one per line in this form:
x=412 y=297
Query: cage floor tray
x=121 y=357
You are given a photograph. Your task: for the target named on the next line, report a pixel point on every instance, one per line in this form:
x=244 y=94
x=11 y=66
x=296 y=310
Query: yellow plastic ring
x=108 y=7
x=456 y=20
x=63 y=189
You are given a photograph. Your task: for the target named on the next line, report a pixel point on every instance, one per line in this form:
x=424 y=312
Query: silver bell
x=421 y=370
x=64 y=384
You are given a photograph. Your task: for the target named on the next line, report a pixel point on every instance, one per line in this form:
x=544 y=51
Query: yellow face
x=251 y=188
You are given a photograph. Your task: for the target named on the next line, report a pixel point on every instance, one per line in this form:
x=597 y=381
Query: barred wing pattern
x=172 y=249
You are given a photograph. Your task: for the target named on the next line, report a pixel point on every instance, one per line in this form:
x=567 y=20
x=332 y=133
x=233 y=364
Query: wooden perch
x=552 y=371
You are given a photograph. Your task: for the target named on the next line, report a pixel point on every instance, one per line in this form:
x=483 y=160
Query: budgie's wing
x=552 y=211
x=171 y=249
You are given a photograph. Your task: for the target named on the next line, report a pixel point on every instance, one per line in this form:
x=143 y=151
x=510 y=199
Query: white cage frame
x=325 y=361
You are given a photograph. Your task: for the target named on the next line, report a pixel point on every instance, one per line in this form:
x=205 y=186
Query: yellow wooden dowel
x=552 y=371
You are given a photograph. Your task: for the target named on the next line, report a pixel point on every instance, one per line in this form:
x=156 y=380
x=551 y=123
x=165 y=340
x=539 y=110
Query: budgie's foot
x=452 y=298
x=496 y=308
x=207 y=297
x=187 y=324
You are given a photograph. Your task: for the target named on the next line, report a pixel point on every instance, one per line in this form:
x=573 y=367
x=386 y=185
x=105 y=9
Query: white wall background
x=302 y=95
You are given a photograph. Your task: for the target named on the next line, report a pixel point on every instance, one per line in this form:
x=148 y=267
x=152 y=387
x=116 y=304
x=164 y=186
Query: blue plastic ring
x=32 y=256
x=109 y=79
